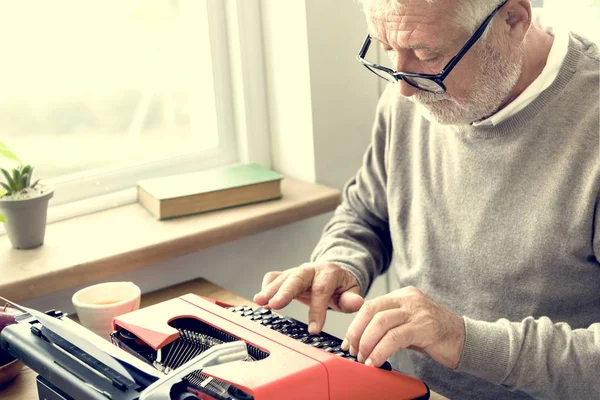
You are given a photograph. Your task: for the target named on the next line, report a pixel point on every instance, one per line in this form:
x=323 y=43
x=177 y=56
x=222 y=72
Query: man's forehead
x=391 y=38
x=413 y=27
x=384 y=10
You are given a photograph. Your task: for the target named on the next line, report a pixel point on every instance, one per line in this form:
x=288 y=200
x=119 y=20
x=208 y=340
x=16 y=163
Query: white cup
x=97 y=305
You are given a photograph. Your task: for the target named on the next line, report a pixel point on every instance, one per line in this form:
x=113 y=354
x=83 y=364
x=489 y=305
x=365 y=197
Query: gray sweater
x=500 y=224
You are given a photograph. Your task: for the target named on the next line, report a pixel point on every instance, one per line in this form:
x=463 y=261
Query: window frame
x=236 y=45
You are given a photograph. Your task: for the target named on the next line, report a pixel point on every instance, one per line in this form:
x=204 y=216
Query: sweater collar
x=518 y=120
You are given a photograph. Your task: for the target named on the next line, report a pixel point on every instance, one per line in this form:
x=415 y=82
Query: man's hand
x=402 y=319
x=319 y=286
x=7 y=316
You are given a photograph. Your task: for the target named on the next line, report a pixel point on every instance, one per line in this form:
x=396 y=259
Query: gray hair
x=469 y=14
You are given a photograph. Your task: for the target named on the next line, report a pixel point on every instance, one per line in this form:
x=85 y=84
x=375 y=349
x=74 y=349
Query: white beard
x=495 y=79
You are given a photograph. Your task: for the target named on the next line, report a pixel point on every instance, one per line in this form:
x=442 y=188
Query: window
x=579 y=16
x=99 y=94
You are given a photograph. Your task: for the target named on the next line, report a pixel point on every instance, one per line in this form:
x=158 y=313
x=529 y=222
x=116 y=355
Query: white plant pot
x=26 y=219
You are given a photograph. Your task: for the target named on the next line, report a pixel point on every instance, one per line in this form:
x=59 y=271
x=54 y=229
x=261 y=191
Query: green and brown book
x=196 y=192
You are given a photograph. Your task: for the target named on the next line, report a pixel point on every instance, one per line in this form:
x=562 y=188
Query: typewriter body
x=170 y=343
x=285 y=362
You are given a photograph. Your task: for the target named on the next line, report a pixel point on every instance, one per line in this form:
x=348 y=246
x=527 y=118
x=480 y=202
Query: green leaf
x=7 y=176
x=27 y=172
x=2 y=218
x=27 y=169
x=23 y=182
x=34 y=183
x=14 y=183
x=10 y=155
x=6 y=187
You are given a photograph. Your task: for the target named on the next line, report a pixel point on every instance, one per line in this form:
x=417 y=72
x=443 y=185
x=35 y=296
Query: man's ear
x=516 y=18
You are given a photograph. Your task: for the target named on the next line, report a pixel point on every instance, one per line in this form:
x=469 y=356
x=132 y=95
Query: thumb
x=350 y=300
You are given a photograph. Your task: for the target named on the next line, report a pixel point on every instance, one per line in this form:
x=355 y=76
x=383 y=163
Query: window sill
x=97 y=246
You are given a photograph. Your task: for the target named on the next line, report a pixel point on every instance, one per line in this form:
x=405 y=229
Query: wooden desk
x=24 y=386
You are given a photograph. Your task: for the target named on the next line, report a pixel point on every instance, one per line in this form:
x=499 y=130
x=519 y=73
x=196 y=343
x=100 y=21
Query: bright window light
x=578 y=16
x=101 y=85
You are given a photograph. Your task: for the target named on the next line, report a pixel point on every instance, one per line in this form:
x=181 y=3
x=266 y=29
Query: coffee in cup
x=97 y=305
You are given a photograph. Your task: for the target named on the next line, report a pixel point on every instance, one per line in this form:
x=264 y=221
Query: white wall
x=289 y=89
x=345 y=93
x=321 y=100
x=321 y=104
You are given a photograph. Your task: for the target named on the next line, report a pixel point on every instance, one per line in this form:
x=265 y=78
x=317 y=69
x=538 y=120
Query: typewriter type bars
x=195 y=337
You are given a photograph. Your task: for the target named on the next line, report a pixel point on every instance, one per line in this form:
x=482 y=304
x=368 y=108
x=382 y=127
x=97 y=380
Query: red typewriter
x=284 y=360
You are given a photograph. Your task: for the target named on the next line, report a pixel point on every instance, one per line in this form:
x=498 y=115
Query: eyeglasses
x=432 y=83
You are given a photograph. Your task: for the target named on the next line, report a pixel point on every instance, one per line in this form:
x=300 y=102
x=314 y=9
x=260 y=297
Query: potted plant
x=23 y=203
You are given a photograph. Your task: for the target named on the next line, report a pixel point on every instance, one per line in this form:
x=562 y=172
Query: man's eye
x=430 y=59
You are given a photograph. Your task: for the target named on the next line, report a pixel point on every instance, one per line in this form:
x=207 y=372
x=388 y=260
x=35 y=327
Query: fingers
x=381 y=324
x=362 y=320
x=296 y=282
x=395 y=339
x=270 y=285
x=351 y=301
x=321 y=293
x=280 y=288
x=334 y=287
x=6 y=319
x=318 y=285
x=406 y=318
x=270 y=277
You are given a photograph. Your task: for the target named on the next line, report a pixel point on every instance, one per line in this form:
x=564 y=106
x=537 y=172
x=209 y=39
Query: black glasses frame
x=436 y=78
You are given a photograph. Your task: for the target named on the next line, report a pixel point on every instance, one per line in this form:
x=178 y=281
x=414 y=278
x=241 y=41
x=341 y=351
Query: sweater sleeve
x=357 y=237
x=543 y=359
x=547 y=360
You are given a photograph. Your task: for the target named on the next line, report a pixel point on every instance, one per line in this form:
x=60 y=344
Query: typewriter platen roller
x=283 y=362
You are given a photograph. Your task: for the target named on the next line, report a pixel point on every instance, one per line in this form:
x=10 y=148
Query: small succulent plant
x=18 y=180
x=23 y=201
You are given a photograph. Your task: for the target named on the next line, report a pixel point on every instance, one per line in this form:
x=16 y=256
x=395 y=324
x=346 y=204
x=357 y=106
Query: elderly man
x=481 y=189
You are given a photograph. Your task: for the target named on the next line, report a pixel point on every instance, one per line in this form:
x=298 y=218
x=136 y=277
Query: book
x=214 y=189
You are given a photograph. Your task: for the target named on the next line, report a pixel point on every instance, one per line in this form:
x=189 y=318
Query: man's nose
x=403 y=64
x=406 y=89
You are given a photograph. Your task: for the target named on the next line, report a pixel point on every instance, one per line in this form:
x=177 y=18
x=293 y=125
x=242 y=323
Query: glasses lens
x=382 y=74
x=424 y=84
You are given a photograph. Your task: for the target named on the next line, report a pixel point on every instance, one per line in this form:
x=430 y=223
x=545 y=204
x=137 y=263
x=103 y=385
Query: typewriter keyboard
x=297 y=330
